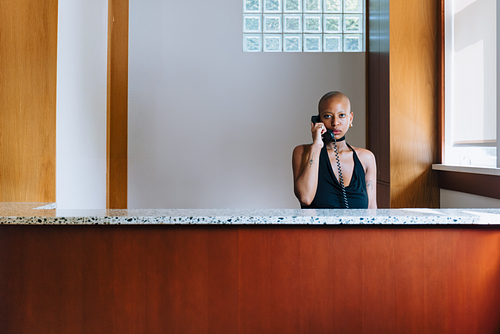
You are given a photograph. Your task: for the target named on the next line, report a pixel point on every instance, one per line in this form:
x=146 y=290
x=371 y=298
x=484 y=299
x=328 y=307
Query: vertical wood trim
x=117 y=105
x=378 y=92
x=441 y=81
x=413 y=103
x=28 y=73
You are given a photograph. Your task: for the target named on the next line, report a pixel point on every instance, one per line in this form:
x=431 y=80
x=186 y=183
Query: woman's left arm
x=370 y=165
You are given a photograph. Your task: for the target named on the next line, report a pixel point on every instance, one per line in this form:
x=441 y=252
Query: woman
x=316 y=168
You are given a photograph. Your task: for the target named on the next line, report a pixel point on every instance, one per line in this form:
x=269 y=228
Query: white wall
x=211 y=126
x=455 y=199
x=81 y=104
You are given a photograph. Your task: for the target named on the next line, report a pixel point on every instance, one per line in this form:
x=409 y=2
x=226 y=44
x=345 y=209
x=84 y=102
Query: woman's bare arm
x=368 y=160
x=305 y=165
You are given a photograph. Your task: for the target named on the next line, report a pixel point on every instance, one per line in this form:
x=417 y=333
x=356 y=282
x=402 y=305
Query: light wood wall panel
x=28 y=65
x=413 y=103
x=403 y=132
x=117 y=105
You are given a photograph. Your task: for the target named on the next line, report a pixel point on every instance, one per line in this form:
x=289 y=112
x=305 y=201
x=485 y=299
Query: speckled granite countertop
x=46 y=213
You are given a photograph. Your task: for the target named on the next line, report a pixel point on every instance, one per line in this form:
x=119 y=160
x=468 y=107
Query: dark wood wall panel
x=285 y=285
x=347 y=271
x=378 y=92
x=28 y=72
x=476 y=184
x=316 y=274
x=254 y=284
x=193 y=279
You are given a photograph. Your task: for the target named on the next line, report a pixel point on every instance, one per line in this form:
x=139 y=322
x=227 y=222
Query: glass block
x=292 y=23
x=312 y=23
x=272 y=43
x=353 y=23
x=252 y=6
x=332 y=43
x=292 y=43
x=332 y=6
x=312 y=43
x=252 y=43
x=353 y=6
x=252 y=23
x=272 y=6
x=272 y=23
x=292 y=6
x=332 y=23
x=312 y=6
x=353 y=43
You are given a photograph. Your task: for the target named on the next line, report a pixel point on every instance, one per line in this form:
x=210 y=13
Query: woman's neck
x=341 y=146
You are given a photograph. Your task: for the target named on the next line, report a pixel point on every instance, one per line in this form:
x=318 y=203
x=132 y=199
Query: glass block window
x=303 y=25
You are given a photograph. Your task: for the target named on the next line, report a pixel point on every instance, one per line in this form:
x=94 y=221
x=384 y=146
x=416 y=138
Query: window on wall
x=303 y=25
x=471 y=75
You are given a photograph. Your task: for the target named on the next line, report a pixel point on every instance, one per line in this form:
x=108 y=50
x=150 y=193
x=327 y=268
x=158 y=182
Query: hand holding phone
x=328 y=135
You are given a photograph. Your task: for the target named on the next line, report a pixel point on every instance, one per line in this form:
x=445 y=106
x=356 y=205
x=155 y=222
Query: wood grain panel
x=347 y=280
x=409 y=287
x=28 y=65
x=223 y=280
x=97 y=275
x=441 y=80
x=471 y=183
x=413 y=99
x=285 y=280
x=129 y=311
x=378 y=91
x=316 y=269
x=439 y=297
x=378 y=281
x=383 y=195
x=254 y=281
x=117 y=105
x=215 y=279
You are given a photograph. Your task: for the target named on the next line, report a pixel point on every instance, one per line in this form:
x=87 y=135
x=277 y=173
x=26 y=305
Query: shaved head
x=332 y=95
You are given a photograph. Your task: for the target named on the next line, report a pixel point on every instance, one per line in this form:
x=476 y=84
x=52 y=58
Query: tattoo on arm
x=369 y=185
x=311 y=162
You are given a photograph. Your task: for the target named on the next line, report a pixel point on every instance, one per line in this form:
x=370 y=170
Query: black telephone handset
x=329 y=136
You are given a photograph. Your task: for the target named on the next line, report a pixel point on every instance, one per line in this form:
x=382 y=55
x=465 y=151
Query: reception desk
x=249 y=271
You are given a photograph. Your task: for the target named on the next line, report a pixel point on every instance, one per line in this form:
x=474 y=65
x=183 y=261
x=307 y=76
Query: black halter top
x=329 y=191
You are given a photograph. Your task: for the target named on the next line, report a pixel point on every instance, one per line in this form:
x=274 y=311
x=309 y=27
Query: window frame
x=467 y=179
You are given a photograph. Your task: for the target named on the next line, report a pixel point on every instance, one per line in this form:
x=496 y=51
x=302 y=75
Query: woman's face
x=336 y=115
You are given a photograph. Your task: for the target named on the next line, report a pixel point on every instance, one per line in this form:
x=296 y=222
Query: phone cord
x=346 y=204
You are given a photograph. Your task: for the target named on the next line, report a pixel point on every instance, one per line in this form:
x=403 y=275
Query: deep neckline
x=330 y=167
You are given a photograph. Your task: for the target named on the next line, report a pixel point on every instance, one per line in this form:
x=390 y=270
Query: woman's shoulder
x=366 y=157
x=299 y=149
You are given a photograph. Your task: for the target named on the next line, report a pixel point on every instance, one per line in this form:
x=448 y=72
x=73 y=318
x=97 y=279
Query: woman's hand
x=317 y=130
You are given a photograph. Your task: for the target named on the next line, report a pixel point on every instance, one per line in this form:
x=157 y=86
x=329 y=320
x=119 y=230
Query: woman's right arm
x=305 y=165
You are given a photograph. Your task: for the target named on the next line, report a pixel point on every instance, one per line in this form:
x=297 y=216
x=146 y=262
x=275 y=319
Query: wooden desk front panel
x=249 y=279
